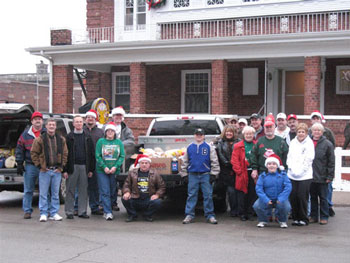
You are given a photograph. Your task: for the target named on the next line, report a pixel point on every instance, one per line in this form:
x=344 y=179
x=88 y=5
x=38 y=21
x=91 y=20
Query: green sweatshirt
x=109 y=153
x=264 y=148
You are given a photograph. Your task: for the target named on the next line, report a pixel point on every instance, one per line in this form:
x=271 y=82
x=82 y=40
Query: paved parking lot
x=166 y=239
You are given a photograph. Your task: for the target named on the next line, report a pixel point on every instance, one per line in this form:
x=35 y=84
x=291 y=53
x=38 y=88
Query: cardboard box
x=162 y=165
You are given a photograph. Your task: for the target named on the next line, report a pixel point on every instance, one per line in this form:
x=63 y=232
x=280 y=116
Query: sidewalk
x=341 y=198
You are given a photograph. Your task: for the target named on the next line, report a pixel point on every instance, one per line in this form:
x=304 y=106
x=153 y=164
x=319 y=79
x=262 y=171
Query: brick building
x=209 y=56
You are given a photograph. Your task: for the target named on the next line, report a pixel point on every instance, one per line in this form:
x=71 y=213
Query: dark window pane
x=124 y=101
x=196 y=103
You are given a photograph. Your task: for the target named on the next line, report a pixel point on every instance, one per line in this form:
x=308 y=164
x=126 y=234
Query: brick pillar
x=63 y=89
x=219 y=88
x=312 y=87
x=137 y=88
x=98 y=85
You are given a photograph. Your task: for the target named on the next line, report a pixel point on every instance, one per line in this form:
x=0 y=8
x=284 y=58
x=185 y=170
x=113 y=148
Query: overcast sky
x=27 y=23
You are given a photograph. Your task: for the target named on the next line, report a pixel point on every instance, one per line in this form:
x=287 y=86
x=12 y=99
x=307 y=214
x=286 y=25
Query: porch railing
x=94 y=35
x=255 y=26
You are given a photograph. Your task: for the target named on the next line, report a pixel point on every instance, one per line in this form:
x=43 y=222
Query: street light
x=40 y=70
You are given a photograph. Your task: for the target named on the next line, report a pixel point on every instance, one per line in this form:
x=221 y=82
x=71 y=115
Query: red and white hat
x=118 y=110
x=111 y=126
x=276 y=159
x=318 y=114
x=292 y=116
x=92 y=113
x=270 y=120
x=140 y=158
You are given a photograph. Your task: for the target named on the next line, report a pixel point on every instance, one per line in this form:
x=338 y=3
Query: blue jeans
x=94 y=196
x=49 y=180
x=148 y=206
x=233 y=200
x=264 y=210
x=202 y=180
x=107 y=186
x=30 y=176
x=330 y=194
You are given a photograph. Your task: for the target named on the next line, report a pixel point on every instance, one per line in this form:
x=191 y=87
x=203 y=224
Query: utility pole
x=41 y=69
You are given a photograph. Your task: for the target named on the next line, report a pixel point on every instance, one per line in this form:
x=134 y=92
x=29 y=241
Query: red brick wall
x=312 y=80
x=219 y=88
x=137 y=88
x=98 y=85
x=237 y=103
x=99 y=13
x=62 y=89
x=335 y=104
x=61 y=37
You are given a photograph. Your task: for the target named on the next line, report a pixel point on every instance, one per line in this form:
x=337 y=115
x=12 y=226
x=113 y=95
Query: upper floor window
x=215 y=2
x=181 y=3
x=135 y=14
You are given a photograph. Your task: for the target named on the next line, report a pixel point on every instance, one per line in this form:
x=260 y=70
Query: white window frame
x=338 y=91
x=135 y=25
x=183 y=87
x=114 y=92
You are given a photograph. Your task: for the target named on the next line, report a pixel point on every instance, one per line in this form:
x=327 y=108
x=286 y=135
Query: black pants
x=246 y=201
x=319 y=191
x=299 y=199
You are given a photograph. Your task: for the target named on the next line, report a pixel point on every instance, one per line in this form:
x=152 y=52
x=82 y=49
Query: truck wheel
x=63 y=191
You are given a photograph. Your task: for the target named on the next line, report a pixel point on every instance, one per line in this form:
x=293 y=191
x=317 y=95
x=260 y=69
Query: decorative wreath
x=155 y=3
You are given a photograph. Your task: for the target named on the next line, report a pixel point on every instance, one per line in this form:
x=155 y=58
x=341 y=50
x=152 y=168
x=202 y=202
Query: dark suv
x=14 y=118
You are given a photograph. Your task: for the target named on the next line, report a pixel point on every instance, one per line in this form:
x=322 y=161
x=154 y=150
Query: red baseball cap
x=270 y=120
x=36 y=114
x=292 y=116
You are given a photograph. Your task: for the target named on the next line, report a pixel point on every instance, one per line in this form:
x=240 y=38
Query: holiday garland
x=155 y=3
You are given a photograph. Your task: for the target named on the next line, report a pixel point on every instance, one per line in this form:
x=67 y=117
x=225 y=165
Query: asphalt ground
x=167 y=239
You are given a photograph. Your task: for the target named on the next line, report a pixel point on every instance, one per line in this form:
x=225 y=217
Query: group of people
x=267 y=169
x=273 y=170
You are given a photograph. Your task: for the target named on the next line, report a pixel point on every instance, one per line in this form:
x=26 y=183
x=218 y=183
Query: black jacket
x=89 y=153
x=323 y=164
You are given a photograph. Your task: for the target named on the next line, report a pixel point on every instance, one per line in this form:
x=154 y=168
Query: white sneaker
x=283 y=225
x=43 y=218
x=108 y=216
x=56 y=217
x=261 y=224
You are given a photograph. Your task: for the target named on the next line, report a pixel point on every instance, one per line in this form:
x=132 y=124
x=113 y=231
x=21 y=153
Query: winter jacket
x=327 y=133
x=300 y=158
x=324 y=161
x=24 y=145
x=89 y=153
x=264 y=148
x=95 y=133
x=239 y=165
x=39 y=153
x=259 y=133
x=200 y=158
x=273 y=186
x=224 y=151
x=156 y=185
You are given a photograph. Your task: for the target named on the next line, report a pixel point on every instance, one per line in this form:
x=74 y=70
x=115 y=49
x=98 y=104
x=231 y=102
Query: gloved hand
x=185 y=179
x=20 y=169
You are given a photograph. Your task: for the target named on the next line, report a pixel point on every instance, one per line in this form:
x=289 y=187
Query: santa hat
x=92 y=113
x=111 y=126
x=318 y=114
x=140 y=158
x=270 y=120
x=276 y=159
x=118 y=110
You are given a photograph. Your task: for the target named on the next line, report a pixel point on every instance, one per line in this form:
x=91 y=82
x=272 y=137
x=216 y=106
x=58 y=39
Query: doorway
x=293 y=92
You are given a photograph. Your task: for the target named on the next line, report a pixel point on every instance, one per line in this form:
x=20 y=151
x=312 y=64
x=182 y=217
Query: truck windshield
x=10 y=130
x=184 y=127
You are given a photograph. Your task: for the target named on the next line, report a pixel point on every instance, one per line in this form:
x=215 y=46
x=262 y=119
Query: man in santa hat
x=143 y=190
x=273 y=189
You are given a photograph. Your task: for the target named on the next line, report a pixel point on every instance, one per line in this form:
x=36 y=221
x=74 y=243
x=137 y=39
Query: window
x=181 y=3
x=250 y=81
x=343 y=79
x=121 y=89
x=196 y=91
x=135 y=14
x=215 y=2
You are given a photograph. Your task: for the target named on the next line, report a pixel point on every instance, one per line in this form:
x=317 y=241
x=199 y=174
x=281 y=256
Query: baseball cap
x=292 y=116
x=243 y=120
x=36 y=114
x=269 y=120
x=199 y=131
x=281 y=115
x=256 y=116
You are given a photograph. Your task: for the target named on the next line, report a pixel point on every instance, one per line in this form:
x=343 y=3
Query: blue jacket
x=198 y=158
x=273 y=186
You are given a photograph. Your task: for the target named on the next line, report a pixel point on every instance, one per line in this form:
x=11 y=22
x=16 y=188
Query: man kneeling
x=273 y=189
x=142 y=190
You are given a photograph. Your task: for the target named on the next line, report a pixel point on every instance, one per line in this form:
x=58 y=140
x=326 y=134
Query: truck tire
x=63 y=191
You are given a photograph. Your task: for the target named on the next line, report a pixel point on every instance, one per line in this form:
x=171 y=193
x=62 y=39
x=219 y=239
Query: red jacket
x=239 y=165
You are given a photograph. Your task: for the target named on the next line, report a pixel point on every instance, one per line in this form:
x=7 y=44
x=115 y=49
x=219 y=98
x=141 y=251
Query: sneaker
x=27 y=216
x=296 y=223
x=261 y=224
x=283 y=225
x=56 y=217
x=108 y=216
x=302 y=223
x=188 y=219
x=331 y=212
x=43 y=218
x=212 y=220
